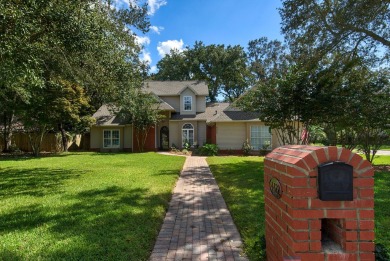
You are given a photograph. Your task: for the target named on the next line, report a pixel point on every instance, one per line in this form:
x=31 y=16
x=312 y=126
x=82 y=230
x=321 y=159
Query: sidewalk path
x=198 y=225
x=383 y=152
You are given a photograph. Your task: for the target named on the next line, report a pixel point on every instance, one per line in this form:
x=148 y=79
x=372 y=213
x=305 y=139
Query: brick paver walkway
x=198 y=225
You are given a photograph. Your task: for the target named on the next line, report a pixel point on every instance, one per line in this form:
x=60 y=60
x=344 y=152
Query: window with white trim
x=260 y=137
x=187 y=103
x=111 y=139
x=188 y=134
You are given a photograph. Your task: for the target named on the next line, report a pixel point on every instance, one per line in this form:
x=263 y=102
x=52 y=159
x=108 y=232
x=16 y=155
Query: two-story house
x=188 y=118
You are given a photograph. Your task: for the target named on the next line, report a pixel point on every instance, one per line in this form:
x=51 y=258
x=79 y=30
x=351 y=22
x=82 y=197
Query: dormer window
x=187 y=103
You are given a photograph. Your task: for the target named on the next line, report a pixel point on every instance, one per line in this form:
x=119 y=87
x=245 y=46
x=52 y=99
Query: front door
x=164 y=138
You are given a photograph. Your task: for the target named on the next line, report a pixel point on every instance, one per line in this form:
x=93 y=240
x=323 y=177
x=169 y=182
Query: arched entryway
x=164 y=138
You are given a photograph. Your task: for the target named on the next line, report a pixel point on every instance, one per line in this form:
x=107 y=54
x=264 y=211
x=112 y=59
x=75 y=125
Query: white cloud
x=153 y=69
x=119 y=4
x=164 y=48
x=142 y=40
x=145 y=57
x=156 y=29
x=154 y=5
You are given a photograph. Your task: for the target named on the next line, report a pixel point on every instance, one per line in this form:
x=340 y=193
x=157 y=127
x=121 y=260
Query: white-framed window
x=187 y=101
x=260 y=137
x=111 y=139
x=188 y=134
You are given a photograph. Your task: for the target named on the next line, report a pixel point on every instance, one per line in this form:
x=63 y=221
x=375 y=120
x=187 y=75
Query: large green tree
x=267 y=59
x=175 y=66
x=223 y=68
x=354 y=27
x=370 y=109
x=140 y=109
x=284 y=104
x=86 y=43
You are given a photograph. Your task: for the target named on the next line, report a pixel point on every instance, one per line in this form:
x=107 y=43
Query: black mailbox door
x=335 y=181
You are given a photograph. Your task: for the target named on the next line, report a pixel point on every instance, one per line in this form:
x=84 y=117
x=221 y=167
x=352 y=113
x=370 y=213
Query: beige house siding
x=128 y=137
x=96 y=137
x=174 y=101
x=202 y=129
x=174 y=134
x=200 y=103
x=231 y=135
x=187 y=92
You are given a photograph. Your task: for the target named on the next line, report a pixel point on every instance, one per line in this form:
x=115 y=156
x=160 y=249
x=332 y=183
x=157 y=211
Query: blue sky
x=179 y=23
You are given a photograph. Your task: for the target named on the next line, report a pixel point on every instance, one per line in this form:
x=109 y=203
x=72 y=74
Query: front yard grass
x=242 y=185
x=84 y=206
x=241 y=182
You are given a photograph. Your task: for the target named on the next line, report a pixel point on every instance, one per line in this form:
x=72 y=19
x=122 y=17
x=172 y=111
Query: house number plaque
x=275 y=187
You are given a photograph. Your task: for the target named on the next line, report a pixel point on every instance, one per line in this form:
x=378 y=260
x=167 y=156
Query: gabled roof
x=219 y=112
x=173 y=88
x=232 y=113
x=105 y=116
x=163 y=106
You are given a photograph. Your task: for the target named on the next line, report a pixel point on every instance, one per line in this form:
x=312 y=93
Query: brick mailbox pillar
x=306 y=222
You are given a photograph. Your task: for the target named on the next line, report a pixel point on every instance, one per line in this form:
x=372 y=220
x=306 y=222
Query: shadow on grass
x=110 y=223
x=34 y=181
x=31 y=157
x=242 y=187
x=168 y=173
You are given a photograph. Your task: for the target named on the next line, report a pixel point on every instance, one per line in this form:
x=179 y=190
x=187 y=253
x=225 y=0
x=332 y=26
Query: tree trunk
x=35 y=137
x=64 y=139
x=7 y=131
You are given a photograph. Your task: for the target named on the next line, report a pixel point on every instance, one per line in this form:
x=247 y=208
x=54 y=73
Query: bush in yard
x=246 y=148
x=209 y=150
x=186 y=145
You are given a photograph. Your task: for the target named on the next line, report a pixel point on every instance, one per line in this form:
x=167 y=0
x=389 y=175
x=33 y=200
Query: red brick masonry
x=296 y=223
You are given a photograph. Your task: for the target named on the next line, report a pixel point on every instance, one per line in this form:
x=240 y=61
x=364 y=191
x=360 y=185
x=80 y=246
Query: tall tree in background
x=354 y=27
x=267 y=59
x=175 y=66
x=224 y=69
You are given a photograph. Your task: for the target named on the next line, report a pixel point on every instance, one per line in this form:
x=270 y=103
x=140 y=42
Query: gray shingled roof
x=232 y=113
x=105 y=117
x=212 y=111
x=164 y=106
x=219 y=112
x=169 y=88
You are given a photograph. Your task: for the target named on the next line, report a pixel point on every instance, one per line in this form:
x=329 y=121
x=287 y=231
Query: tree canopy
x=267 y=59
x=355 y=27
x=89 y=44
x=224 y=69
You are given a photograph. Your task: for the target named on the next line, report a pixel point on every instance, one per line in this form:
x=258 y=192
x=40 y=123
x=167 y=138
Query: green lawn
x=242 y=185
x=84 y=206
x=385 y=147
x=241 y=182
